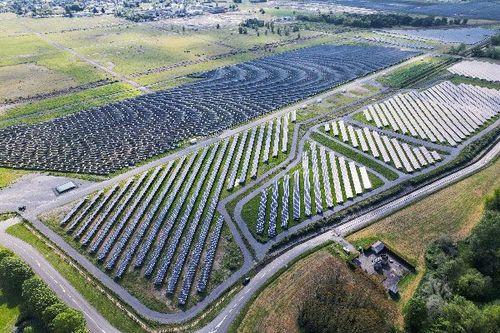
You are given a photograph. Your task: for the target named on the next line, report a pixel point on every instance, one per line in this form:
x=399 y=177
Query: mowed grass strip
x=98 y=300
x=453 y=211
x=350 y=153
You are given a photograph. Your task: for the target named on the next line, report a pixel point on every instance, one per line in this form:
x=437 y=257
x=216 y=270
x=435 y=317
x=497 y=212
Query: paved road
x=222 y=322
x=69 y=295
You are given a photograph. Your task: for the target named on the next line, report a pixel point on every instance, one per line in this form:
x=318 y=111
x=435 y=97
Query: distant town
x=141 y=10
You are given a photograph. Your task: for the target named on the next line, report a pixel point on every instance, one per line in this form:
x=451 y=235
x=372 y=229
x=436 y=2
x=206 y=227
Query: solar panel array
x=477 y=69
x=340 y=180
x=444 y=113
x=393 y=151
x=118 y=135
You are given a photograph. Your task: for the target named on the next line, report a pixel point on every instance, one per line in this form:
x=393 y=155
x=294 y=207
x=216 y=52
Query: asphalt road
x=222 y=322
x=69 y=295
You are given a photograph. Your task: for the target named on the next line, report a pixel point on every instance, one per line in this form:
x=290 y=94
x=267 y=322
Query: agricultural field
x=270 y=311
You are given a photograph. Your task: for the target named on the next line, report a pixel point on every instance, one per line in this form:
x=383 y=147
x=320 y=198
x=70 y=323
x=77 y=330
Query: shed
x=65 y=187
x=378 y=247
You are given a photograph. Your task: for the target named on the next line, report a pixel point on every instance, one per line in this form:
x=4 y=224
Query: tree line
x=380 y=20
x=461 y=289
x=41 y=309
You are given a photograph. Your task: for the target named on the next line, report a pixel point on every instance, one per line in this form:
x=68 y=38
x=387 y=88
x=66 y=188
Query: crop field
x=453 y=211
x=152 y=124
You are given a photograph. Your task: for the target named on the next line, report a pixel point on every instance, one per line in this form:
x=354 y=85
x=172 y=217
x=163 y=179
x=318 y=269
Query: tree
x=484 y=245
x=473 y=285
x=415 y=314
x=461 y=315
x=52 y=311
x=13 y=272
x=37 y=296
x=69 y=321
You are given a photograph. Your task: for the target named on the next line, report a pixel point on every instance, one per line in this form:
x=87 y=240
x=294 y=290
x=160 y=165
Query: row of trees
x=461 y=289
x=256 y=24
x=380 y=20
x=492 y=51
x=40 y=306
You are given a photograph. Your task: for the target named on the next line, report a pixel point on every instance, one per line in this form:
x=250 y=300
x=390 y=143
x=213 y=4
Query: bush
x=69 y=321
x=13 y=272
x=415 y=315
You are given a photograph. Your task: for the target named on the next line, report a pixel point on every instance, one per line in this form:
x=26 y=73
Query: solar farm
x=164 y=223
x=408 y=134
x=178 y=157
x=468 y=36
x=120 y=135
x=477 y=70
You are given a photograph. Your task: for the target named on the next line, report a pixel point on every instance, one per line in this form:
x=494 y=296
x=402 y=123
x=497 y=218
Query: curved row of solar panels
x=118 y=135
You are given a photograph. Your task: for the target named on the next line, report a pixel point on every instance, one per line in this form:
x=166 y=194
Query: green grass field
x=401 y=77
x=25 y=57
x=50 y=108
